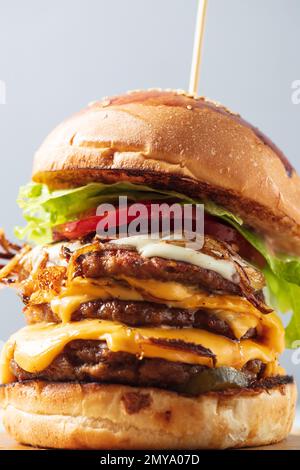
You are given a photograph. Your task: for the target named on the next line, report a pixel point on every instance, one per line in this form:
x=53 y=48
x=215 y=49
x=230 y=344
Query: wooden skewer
x=198 y=41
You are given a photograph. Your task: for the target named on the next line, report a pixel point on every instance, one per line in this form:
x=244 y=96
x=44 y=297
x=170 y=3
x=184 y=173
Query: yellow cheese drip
x=36 y=346
x=173 y=294
x=236 y=311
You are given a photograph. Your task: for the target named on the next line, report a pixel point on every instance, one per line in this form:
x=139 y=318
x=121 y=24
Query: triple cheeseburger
x=134 y=343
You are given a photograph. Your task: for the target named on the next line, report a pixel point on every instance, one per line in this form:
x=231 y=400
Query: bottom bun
x=95 y=416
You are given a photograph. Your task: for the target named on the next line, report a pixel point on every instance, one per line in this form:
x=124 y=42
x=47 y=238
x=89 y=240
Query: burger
x=140 y=343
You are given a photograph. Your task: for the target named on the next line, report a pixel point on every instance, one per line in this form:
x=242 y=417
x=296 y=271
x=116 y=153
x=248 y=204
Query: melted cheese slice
x=36 y=346
x=236 y=311
x=173 y=294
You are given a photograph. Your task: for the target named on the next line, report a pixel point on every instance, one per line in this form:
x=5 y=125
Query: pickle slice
x=221 y=378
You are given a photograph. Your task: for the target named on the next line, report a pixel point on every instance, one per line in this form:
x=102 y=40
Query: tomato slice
x=82 y=227
x=212 y=226
x=76 y=229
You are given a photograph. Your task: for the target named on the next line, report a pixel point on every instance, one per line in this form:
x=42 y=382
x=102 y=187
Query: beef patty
x=92 y=361
x=137 y=314
x=114 y=262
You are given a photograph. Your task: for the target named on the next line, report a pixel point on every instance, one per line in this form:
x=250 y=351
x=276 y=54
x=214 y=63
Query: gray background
x=56 y=56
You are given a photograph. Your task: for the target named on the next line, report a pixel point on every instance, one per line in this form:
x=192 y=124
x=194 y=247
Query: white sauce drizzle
x=150 y=248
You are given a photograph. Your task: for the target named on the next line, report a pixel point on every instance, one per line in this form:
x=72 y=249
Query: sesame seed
x=105 y=103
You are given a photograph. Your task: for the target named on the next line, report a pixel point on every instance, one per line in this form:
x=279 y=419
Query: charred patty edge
x=91 y=361
x=140 y=314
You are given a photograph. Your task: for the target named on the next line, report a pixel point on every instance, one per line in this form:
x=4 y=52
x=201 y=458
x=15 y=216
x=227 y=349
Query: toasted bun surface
x=171 y=140
x=93 y=416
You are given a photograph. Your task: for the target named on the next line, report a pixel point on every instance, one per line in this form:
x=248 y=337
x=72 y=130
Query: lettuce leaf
x=285 y=297
x=283 y=282
x=44 y=209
